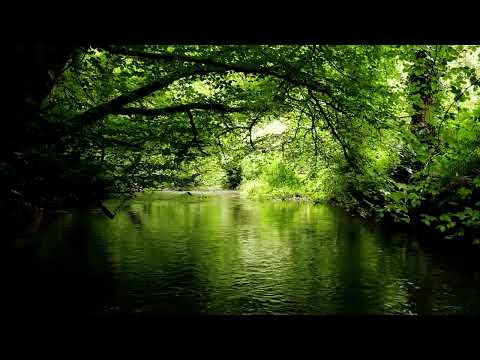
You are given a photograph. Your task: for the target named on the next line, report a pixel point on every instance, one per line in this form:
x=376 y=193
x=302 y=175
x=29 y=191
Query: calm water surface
x=171 y=253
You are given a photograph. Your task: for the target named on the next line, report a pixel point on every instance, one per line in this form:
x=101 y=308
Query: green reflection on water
x=222 y=254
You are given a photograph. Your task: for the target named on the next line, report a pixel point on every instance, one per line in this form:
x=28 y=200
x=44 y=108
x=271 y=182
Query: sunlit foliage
x=384 y=131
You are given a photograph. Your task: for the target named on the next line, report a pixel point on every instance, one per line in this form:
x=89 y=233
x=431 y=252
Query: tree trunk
x=422 y=78
x=31 y=74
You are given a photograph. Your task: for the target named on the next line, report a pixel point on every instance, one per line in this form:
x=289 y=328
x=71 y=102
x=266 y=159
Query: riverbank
x=376 y=211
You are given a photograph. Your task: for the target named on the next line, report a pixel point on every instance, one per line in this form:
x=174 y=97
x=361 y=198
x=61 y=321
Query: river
x=219 y=253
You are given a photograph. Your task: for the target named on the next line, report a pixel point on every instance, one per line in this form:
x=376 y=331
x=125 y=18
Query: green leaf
x=476 y=182
x=451 y=224
x=396 y=196
x=464 y=192
x=442 y=228
x=401 y=186
x=445 y=217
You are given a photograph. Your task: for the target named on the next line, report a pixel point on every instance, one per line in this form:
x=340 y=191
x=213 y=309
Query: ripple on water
x=171 y=254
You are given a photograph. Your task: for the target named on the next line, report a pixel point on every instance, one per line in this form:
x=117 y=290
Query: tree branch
x=334 y=133
x=178 y=108
x=195 y=132
x=214 y=64
x=98 y=112
x=250 y=128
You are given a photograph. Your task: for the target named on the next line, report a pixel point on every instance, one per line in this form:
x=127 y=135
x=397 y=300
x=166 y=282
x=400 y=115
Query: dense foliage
x=390 y=132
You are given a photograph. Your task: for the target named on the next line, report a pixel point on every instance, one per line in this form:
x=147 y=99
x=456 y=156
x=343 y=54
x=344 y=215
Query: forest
x=390 y=133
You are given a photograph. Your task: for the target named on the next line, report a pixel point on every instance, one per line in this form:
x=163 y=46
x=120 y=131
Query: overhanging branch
x=218 y=65
x=195 y=132
x=178 y=109
x=110 y=107
x=334 y=132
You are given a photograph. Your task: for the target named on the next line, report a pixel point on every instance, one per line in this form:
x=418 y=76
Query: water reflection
x=222 y=254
